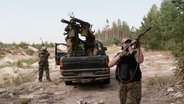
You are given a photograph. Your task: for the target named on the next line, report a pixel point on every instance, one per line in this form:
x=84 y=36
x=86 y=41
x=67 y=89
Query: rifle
x=136 y=38
x=41 y=40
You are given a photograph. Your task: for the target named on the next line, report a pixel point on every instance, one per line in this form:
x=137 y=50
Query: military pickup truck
x=82 y=68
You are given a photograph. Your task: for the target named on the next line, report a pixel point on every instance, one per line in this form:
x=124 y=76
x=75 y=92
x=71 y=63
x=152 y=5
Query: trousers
x=130 y=92
x=44 y=67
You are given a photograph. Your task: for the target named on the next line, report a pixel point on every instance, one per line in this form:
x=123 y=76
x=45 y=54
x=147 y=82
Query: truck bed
x=85 y=69
x=83 y=62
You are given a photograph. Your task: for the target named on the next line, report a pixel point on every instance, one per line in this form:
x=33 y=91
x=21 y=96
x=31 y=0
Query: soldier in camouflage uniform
x=69 y=39
x=128 y=72
x=90 y=45
x=43 y=63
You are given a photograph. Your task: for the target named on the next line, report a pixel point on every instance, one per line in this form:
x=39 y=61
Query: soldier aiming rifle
x=128 y=72
x=43 y=62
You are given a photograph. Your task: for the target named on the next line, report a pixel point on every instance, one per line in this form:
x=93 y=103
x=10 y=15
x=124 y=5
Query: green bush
x=23 y=45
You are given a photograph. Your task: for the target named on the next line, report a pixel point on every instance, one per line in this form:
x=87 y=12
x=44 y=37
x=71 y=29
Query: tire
x=68 y=82
x=106 y=81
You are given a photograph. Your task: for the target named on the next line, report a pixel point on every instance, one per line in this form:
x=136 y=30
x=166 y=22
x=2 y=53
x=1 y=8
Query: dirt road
x=158 y=78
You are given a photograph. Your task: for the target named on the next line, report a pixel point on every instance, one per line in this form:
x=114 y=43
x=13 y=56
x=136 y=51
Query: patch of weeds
x=23 y=45
x=2 y=52
x=25 y=101
x=158 y=81
x=47 y=95
x=29 y=61
x=20 y=63
x=44 y=97
x=7 y=64
x=22 y=79
x=16 y=81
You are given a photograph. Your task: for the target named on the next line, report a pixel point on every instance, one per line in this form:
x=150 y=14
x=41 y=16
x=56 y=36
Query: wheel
x=68 y=82
x=106 y=81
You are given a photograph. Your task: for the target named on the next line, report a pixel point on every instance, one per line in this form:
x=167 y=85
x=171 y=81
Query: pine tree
x=152 y=39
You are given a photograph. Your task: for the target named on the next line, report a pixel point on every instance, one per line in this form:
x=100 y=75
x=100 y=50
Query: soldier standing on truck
x=90 y=45
x=43 y=63
x=71 y=31
x=91 y=49
x=69 y=39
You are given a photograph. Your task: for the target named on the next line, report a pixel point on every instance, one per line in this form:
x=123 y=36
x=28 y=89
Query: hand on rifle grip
x=137 y=45
x=135 y=41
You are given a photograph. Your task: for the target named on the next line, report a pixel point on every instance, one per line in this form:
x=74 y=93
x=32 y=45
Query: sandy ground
x=159 y=86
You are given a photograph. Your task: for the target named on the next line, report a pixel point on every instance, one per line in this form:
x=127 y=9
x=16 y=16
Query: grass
x=16 y=81
x=47 y=95
x=23 y=63
x=159 y=81
x=25 y=101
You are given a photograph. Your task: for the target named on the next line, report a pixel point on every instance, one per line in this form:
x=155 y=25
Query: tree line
x=167 y=31
x=114 y=34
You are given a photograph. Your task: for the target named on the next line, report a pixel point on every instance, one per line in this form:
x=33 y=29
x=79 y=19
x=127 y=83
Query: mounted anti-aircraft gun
x=85 y=26
x=82 y=23
x=73 y=29
x=78 y=24
x=71 y=25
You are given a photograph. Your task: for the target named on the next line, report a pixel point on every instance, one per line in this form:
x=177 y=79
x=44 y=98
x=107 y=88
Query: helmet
x=125 y=40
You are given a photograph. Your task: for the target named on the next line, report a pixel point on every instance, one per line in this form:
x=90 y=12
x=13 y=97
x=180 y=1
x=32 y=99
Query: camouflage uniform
x=91 y=49
x=129 y=89
x=70 y=39
x=129 y=76
x=130 y=93
x=43 y=63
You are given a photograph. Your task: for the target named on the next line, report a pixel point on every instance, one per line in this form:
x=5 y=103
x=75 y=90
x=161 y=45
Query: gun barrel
x=65 y=21
x=146 y=30
x=81 y=22
x=143 y=33
x=41 y=40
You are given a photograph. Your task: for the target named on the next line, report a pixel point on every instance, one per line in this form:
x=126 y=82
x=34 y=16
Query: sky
x=30 y=20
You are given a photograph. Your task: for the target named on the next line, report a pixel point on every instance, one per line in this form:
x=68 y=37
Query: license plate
x=85 y=80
